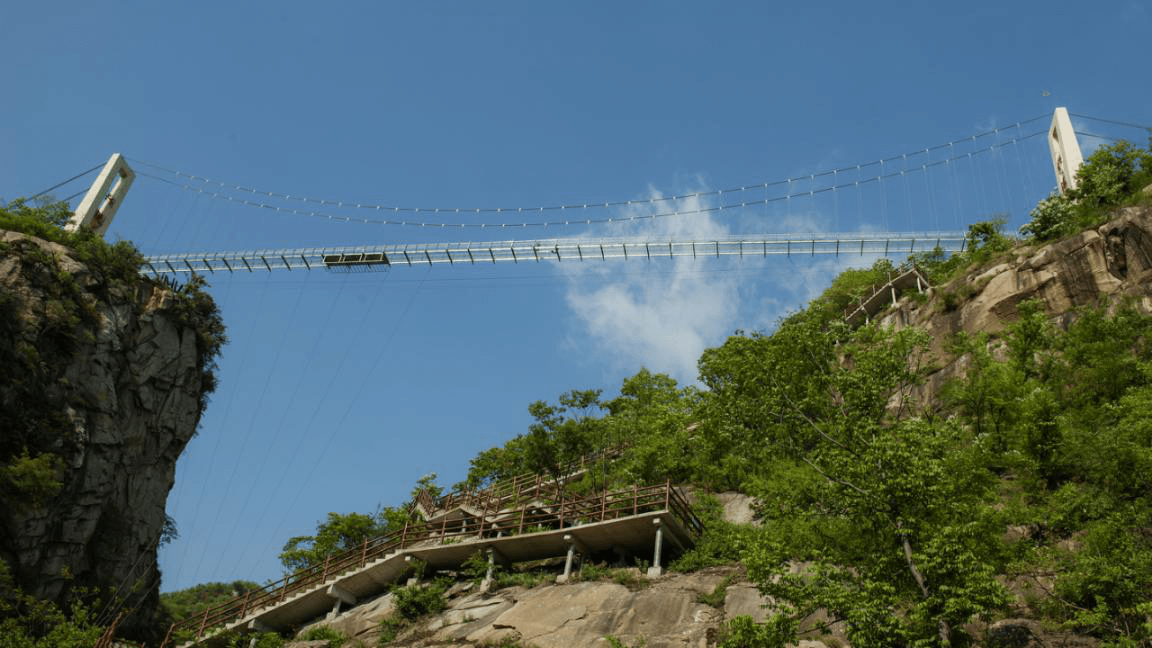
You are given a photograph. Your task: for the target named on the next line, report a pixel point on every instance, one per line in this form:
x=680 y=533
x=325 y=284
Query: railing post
x=522 y=513
x=603 y=506
x=203 y=622
x=404 y=535
x=324 y=571
x=244 y=608
x=364 y=553
x=635 y=499
x=667 y=492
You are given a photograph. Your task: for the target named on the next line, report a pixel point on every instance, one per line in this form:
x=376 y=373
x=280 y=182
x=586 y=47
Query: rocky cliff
x=102 y=381
x=1113 y=261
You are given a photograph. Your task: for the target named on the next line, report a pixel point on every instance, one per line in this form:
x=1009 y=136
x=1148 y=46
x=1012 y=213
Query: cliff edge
x=103 y=377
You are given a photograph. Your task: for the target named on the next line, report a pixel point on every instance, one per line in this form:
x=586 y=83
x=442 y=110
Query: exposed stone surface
x=1111 y=261
x=738 y=507
x=665 y=612
x=130 y=391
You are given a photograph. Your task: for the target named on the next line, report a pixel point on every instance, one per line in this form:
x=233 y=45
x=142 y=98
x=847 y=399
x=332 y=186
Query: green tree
x=1111 y=174
x=654 y=418
x=563 y=432
x=886 y=508
x=339 y=533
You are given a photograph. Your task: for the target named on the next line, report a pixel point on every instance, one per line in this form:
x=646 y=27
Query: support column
x=656 y=569
x=494 y=556
x=339 y=595
x=574 y=545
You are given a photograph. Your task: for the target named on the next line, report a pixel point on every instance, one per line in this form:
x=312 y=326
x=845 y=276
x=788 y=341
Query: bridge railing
x=534 y=518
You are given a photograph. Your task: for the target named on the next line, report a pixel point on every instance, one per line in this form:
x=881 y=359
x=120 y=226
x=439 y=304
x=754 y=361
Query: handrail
x=527 y=519
x=902 y=271
x=504 y=489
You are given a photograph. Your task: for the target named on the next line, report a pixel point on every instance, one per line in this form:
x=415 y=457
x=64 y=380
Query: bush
x=721 y=543
x=1052 y=218
x=334 y=637
x=416 y=601
x=1112 y=174
x=410 y=604
x=1110 y=177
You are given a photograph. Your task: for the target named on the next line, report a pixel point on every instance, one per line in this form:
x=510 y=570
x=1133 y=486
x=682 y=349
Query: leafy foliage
x=339 y=533
x=721 y=543
x=26 y=622
x=411 y=604
x=1110 y=177
x=185 y=603
x=334 y=637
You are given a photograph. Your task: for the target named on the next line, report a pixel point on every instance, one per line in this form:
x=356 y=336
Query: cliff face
x=1112 y=261
x=101 y=381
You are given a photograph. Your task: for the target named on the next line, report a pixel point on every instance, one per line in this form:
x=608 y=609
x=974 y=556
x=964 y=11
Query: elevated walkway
x=638 y=520
x=886 y=294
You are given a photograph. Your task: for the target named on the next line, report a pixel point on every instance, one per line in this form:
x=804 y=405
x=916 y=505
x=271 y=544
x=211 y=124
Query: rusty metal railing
x=536 y=517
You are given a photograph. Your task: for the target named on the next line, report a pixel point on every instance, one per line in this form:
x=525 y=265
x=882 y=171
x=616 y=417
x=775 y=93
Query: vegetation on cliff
x=53 y=311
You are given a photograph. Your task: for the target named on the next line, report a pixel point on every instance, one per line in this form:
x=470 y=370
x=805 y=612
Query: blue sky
x=339 y=391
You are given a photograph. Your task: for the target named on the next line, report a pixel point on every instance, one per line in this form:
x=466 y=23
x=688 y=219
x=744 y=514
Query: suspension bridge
x=914 y=202
x=927 y=181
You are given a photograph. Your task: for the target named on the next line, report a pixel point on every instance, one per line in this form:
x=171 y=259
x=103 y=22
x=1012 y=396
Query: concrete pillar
x=574 y=545
x=487 y=583
x=99 y=205
x=339 y=595
x=568 y=563
x=656 y=570
x=1065 y=150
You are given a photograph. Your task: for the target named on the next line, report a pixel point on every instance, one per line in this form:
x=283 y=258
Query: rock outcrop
x=665 y=613
x=1112 y=261
x=105 y=376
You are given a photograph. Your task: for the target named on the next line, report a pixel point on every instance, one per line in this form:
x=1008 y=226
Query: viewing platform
x=525 y=525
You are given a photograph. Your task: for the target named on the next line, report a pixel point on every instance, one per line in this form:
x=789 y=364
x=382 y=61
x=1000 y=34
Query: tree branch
x=941 y=625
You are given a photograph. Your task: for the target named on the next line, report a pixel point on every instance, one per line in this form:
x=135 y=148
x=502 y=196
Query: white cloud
x=663 y=314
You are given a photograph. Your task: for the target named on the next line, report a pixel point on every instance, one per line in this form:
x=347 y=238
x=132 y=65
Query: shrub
x=410 y=604
x=334 y=637
x=1112 y=176
x=1052 y=218
x=719 y=593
